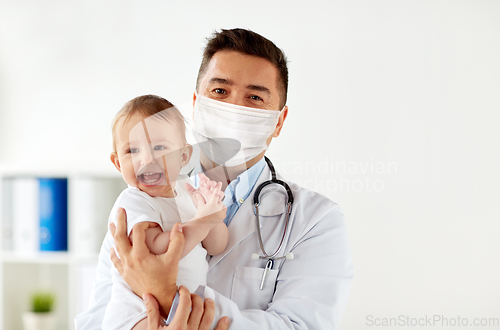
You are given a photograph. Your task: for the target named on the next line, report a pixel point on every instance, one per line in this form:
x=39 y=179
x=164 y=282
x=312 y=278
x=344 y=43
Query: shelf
x=45 y=257
x=105 y=170
x=70 y=274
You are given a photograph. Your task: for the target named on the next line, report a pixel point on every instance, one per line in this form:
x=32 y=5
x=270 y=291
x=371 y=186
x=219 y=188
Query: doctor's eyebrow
x=259 y=88
x=221 y=81
x=231 y=83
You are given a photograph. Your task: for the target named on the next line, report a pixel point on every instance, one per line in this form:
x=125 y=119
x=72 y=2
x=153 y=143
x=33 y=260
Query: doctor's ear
x=186 y=154
x=281 y=120
x=114 y=159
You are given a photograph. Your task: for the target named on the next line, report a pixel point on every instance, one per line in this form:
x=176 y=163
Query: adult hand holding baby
x=192 y=313
x=142 y=270
x=156 y=275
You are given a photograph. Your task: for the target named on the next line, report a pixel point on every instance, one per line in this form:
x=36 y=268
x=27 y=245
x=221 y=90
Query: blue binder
x=53 y=214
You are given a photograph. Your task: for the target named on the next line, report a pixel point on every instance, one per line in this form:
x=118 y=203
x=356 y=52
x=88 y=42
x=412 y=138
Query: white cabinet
x=70 y=273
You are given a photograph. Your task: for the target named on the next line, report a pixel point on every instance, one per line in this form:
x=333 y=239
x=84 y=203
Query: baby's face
x=150 y=154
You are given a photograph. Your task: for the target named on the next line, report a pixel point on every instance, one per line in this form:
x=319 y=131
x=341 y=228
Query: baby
x=150 y=149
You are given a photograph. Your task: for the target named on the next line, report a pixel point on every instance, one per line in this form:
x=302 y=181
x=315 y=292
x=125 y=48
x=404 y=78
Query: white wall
x=394 y=114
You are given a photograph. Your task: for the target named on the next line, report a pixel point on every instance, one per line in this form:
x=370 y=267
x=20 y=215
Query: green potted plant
x=41 y=315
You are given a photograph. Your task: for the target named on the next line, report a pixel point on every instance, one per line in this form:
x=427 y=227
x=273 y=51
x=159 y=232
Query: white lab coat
x=307 y=292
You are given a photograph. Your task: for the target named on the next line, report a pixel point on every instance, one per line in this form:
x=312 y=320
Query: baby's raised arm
x=216 y=240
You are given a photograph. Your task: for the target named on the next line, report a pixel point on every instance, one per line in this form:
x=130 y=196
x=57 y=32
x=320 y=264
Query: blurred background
x=394 y=114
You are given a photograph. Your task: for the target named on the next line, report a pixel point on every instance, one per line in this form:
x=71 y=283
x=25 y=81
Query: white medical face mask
x=230 y=134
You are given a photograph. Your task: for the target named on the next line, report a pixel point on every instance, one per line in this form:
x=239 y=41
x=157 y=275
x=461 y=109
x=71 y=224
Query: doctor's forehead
x=235 y=68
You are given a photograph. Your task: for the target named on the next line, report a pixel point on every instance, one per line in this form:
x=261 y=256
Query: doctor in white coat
x=241 y=87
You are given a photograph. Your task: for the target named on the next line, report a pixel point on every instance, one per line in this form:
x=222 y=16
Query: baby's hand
x=207 y=186
x=211 y=210
x=205 y=190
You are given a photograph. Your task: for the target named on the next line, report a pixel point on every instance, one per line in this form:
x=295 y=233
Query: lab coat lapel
x=243 y=222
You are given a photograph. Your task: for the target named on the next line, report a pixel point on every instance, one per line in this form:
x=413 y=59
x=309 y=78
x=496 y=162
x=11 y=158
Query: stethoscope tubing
x=287 y=215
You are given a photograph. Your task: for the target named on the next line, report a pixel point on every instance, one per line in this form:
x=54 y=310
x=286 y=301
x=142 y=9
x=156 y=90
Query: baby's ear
x=115 y=160
x=186 y=153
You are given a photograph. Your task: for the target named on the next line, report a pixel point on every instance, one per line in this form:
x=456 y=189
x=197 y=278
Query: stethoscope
x=271 y=258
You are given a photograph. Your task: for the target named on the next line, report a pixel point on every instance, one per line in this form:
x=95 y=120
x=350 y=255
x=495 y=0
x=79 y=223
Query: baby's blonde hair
x=150 y=105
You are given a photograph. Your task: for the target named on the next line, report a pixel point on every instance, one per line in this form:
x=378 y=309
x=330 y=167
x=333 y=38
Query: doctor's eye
x=256 y=98
x=219 y=91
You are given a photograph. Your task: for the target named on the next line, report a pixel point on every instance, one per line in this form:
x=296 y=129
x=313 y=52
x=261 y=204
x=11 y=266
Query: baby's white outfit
x=125 y=308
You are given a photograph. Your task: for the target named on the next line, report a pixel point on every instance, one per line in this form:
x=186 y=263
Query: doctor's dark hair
x=150 y=105
x=250 y=43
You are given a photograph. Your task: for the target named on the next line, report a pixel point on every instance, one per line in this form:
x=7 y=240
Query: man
x=242 y=83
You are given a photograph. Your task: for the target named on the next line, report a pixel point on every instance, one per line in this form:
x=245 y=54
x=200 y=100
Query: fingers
x=153 y=311
x=120 y=233
x=192 y=192
x=207 y=188
x=211 y=183
x=184 y=307
x=112 y=229
x=196 y=311
x=215 y=193
x=223 y=323
x=205 y=192
x=200 y=200
x=176 y=244
x=190 y=189
x=116 y=261
x=139 y=239
x=204 y=178
x=206 y=182
x=208 y=314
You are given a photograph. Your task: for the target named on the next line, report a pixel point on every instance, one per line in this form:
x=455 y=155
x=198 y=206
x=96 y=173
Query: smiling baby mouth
x=150 y=178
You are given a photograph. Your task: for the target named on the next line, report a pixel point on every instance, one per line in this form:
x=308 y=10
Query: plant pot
x=39 y=321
